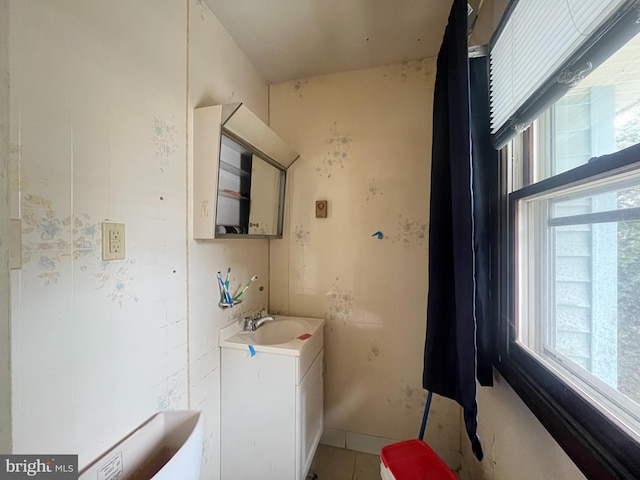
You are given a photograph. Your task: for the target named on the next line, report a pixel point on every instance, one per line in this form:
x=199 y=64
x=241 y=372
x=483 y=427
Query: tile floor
x=331 y=463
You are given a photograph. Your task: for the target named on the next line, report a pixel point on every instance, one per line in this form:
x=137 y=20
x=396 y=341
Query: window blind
x=534 y=41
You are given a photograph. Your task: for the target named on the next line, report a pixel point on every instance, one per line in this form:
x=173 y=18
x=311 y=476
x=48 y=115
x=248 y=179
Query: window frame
x=599 y=448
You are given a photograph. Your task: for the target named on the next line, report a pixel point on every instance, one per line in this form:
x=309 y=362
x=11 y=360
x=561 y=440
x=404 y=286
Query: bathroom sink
x=271 y=398
x=284 y=335
x=277 y=332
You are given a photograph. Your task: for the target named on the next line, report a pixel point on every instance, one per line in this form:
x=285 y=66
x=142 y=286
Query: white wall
x=516 y=445
x=365 y=143
x=101 y=119
x=98 y=131
x=218 y=73
x=5 y=340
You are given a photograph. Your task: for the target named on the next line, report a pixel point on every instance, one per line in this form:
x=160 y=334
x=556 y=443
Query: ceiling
x=294 y=39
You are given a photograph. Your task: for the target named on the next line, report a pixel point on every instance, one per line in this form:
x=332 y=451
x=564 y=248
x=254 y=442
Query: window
x=598 y=116
x=572 y=280
x=578 y=257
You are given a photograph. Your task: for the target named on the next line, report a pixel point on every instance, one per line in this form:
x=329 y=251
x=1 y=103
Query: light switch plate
x=113 y=241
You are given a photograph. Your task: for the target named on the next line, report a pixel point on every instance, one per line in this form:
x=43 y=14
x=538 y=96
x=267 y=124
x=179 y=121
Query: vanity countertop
x=285 y=335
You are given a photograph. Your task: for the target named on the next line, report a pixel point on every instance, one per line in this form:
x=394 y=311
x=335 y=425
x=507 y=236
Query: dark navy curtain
x=456 y=282
x=485 y=165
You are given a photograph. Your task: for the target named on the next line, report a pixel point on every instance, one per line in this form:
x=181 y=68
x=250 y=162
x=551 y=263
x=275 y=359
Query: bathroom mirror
x=239 y=174
x=250 y=192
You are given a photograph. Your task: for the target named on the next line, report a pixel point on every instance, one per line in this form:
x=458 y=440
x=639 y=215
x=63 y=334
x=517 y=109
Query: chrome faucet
x=261 y=321
x=253 y=322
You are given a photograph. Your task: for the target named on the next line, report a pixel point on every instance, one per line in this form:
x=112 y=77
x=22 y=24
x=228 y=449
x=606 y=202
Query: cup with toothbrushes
x=225 y=296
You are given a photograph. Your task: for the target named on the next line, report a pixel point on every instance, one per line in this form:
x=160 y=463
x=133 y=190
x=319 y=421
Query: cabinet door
x=258 y=422
x=310 y=415
x=206 y=150
x=267 y=190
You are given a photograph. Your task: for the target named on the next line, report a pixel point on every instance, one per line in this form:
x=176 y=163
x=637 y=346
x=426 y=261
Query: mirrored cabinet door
x=250 y=190
x=267 y=194
x=238 y=189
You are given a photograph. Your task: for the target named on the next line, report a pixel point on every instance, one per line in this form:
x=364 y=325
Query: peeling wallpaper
x=364 y=139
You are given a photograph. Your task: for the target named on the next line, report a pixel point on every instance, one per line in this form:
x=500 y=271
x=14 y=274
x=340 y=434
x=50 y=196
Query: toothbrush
x=225 y=292
x=226 y=282
x=239 y=294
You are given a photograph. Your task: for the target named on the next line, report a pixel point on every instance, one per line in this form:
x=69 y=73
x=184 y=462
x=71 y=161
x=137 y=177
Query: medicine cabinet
x=239 y=173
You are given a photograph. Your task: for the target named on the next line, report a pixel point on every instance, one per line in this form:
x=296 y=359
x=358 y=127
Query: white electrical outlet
x=113 y=241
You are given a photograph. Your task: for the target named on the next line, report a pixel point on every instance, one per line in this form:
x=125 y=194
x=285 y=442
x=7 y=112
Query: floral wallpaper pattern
x=120 y=279
x=411 y=231
x=301 y=235
x=377 y=231
x=164 y=139
x=340 y=302
x=77 y=159
x=374 y=190
x=170 y=398
x=410 y=398
x=339 y=148
x=374 y=352
x=49 y=238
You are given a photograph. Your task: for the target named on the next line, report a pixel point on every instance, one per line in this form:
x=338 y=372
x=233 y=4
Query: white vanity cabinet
x=272 y=413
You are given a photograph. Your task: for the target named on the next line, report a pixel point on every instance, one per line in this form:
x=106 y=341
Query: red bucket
x=413 y=460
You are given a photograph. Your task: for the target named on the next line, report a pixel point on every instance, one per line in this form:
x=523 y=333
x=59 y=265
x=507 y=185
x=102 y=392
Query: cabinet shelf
x=227 y=167
x=231 y=194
